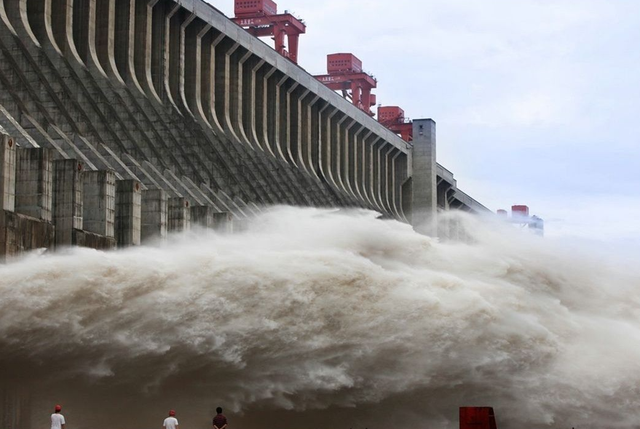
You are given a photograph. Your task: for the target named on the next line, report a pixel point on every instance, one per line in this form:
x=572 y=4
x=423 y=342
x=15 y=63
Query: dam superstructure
x=170 y=106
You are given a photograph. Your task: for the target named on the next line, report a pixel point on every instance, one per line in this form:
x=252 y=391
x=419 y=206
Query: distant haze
x=536 y=101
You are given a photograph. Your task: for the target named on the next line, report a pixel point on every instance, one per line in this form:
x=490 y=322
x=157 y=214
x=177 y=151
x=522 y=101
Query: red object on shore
x=477 y=418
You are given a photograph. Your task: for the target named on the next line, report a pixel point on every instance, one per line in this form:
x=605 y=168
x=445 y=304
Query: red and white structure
x=393 y=118
x=261 y=19
x=344 y=73
x=520 y=216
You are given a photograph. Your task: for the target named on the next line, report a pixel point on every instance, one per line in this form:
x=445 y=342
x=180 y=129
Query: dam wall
x=177 y=97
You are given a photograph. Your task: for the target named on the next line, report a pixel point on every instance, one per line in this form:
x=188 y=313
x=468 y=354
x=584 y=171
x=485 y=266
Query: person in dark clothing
x=219 y=421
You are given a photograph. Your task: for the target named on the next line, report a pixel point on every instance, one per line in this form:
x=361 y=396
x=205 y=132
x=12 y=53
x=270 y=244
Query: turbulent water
x=314 y=318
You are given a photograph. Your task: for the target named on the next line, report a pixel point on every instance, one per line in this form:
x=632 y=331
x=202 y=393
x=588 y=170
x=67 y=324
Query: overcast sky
x=537 y=102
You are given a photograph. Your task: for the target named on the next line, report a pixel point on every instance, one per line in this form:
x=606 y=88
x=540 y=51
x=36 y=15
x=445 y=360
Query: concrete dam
x=127 y=119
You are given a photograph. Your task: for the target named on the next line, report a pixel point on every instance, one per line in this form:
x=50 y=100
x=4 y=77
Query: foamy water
x=318 y=314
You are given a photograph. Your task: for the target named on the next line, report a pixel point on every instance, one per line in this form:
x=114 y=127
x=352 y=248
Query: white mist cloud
x=334 y=311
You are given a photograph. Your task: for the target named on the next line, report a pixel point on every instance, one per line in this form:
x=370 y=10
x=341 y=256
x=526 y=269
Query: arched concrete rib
x=306 y=138
x=342 y=163
x=182 y=60
x=39 y=21
x=224 y=100
x=144 y=46
x=105 y=33
x=16 y=10
x=300 y=139
x=290 y=135
x=194 y=84
x=210 y=83
x=125 y=43
x=243 y=103
x=281 y=117
x=356 y=170
x=61 y=21
x=368 y=145
x=396 y=197
x=360 y=151
x=337 y=155
x=317 y=147
x=325 y=150
x=84 y=33
x=169 y=60
x=401 y=161
x=374 y=171
x=387 y=182
x=257 y=104
x=268 y=112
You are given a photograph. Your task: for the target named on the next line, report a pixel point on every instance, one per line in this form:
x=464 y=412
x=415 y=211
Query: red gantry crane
x=344 y=73
x=393 y=118
x=261 y=19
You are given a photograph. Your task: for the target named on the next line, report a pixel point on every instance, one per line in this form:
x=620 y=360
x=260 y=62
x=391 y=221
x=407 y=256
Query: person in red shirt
x=219 y=421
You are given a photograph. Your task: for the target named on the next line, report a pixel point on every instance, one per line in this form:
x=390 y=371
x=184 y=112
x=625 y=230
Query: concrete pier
x=34 y=183
x=424 y=178
x=8 y=176
x=202 y=216
x=128 y=222
x=179 y=218
x=67 y=200
x=223 y=222
x=99 y=202
x=155 y=212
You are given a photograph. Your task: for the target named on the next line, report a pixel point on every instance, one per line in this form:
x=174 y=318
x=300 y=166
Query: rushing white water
x=317 y=317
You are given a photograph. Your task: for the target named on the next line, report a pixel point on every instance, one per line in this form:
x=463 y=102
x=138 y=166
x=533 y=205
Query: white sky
x=537 y=102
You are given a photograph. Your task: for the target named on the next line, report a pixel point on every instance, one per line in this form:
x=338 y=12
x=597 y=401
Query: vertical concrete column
x=7 y=192
x=99 y=201
x=34 y=183
x=154 y=214
x=202 y=216
x=8 y=173
x=179 y=214
x=424 y=185
x=67 y=199
x=223 y=222
x=128 y=213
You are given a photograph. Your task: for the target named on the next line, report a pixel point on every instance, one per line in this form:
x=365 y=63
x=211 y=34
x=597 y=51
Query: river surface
x=313 y=318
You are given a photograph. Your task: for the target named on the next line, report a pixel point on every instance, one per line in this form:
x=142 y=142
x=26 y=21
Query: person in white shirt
x=170 y=422
x=57 y=419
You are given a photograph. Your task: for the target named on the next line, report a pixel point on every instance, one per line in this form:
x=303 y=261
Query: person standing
x=219 y=421
x=171 y=422
x=57 y=419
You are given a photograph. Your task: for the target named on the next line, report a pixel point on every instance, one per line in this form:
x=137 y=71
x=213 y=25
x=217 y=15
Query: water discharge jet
x=316 y=314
